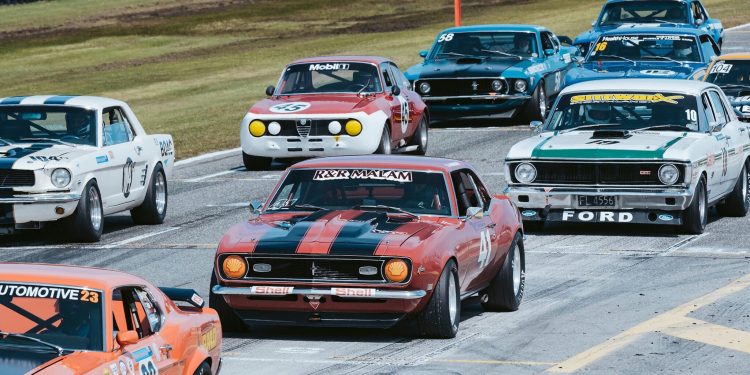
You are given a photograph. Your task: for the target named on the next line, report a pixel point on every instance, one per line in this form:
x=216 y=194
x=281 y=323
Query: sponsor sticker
x=625 y=98
x=197 y=300
x=721 y=68
x=329 y=66
x=272 y=290
x=597 y=216
x=53 y=292
x=365 y=174
x=210 y=339
x=666 y=217
x=102 y=159
x=353 y=292
x=289 y=107
x=528 y=213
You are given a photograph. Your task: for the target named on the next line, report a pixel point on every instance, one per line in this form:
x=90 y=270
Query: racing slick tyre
x=695 y=217
x=385 y=142
x=420 y=138
x=737 y=202
x=87 y=221
x=536 y=108
x=154 y=206
x=441 y=316
x=256 y=163
x=203 y=369
x=506 y=289
x=230 y=322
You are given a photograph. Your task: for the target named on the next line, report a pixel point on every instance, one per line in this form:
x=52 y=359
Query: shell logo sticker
x=289 y=107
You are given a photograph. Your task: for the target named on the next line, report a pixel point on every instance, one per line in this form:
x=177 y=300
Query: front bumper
x=338 y=292
x=474 y=107
x=22 y=211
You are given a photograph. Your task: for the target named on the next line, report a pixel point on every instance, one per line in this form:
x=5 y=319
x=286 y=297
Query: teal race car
x=492 y=72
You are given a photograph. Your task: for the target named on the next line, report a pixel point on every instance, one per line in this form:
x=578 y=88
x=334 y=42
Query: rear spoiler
x=184 y=295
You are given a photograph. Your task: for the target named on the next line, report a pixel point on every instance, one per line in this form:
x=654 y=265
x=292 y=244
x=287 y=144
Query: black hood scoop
x=611 y=134
x=469 y=60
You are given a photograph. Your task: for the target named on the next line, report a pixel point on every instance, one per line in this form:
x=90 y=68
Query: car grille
x=16 y=178
x=571 y=173
x=306 y=127
x=461 y=87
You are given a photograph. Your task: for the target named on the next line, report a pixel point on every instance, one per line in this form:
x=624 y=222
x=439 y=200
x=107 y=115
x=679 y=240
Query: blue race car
x=656 y=52
x=491 y=72
x=651 y=13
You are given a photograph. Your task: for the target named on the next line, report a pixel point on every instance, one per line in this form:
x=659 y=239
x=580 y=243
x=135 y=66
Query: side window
x=116 y=128
x=466 y=192
x=481 y=191
x=698 y=12
x=719 y=111
x=134 y=310
x=386 y=76
x=399 y=76
x=547 y=41
x=707 y=109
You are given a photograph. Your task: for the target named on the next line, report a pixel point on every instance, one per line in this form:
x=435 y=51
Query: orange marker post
x=457 y=12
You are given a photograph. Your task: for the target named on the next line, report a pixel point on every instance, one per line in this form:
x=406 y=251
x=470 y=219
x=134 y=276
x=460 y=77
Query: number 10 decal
x=485 y=248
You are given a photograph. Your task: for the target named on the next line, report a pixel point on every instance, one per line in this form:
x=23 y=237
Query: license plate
x=596 y=201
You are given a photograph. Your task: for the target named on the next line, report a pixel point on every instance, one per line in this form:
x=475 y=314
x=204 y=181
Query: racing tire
x=230 y=322
x=384 y=148
x=506 y=288
x=256 y=163
x=86 y=223
x=153 y=210
x=203 y=369
x=442 y=314
x=695 y=217
x=536 y=108
x=420 y=138
x=737 y=203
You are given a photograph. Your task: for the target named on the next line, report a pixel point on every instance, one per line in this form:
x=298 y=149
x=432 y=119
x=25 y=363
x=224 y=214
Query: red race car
x=368 y=241
x=336 y=105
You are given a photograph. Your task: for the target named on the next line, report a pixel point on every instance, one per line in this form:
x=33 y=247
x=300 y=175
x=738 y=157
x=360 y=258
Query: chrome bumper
x=566 y=197
x=41 y=198
x=338 y=292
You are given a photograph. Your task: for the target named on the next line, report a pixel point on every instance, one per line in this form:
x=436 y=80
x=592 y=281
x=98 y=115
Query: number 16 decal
x=485 y=248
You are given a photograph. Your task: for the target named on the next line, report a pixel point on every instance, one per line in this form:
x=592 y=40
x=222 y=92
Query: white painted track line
x=138 y=238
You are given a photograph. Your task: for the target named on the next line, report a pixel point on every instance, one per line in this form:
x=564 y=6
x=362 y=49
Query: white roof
x=91 y=102
x=646 y=84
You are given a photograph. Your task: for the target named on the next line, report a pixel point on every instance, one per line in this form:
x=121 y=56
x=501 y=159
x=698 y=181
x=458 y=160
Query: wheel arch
x=199 y=357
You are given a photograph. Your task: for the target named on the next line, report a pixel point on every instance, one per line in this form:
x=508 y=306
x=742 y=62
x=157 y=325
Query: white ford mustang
x=74 y=159
x=636 y=151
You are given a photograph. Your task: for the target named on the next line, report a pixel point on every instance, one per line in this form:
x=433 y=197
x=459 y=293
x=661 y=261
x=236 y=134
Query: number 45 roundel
x=485 y=248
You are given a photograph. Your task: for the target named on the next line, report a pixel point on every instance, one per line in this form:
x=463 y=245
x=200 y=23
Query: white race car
x=74 y=159
x=633 y=151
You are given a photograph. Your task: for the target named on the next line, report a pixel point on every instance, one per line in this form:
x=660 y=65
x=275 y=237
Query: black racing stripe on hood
x=14 y=361
x=363 y=234
x=11 y=156
x=285 y=240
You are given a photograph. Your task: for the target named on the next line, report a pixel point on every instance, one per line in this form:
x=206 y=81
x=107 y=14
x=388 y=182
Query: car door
x=134 y=310
x=715 y=149
x=734 y=137
x=123 y=161
x=414 y=115
x=556 y=63
x=396 y=102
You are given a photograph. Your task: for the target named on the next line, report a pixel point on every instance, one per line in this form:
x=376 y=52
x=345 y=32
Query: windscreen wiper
x=665 y=126
x=303 y=206
x=503 y=53
x=57 y=348
x=455 y=54
x=663 y=58
x=591 y=126
x=618 y=57
x=47 y=140
x=385 y=208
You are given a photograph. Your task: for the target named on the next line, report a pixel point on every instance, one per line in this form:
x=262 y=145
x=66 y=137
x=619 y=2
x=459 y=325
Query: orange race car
x=77 y=320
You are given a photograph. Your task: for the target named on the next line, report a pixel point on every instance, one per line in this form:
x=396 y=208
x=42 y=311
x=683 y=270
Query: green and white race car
x=633 y=151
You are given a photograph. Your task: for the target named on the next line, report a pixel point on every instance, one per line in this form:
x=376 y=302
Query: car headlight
x=60 y=177
x=520 y=85
x=496 y=85
x=424 y=88
x=257 y=128
x=353 y=127
x=274 y=128
x=668 y=174
x=334 y=127
x=525 y=173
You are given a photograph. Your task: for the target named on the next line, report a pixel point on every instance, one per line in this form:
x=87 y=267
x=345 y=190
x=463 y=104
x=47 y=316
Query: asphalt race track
x=601 y=299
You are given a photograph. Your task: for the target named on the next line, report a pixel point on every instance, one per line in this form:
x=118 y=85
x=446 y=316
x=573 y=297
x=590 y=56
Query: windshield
x=69 y=317
x=625 y=111
x=330 y=77
x=644 y=12
x=735 y=72
x=485 y=44
x=35 y=123
x=679 y=48
x=340 y=189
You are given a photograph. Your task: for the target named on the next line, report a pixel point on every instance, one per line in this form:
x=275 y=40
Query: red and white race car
x=339 y=105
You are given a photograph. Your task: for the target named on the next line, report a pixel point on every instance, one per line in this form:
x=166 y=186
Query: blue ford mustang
x=647 y=53
x=492 y=71
x=654 y=13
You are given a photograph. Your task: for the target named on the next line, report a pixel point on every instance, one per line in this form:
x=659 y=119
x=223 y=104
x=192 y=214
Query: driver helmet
x=77 y=123
x=598 y=113
x=522 y=42
x=683 y=49
x=74 y=317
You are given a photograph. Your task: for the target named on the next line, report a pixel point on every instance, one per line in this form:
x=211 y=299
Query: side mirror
x=423 y=54
x=474 y=212
x=536 y=126
x=580 y=60
x=566 y=58
x=699 y=22
x=125 y=338
x=593 y=23
x=270 y=90
x=255 y=206
x=714 y=126
x=565 y=40
x=395 y=91
x=549 y=52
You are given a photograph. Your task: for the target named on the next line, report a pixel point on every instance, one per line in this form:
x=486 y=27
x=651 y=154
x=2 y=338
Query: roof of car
x=93 y=102
x=54 y=274
x=496 y=27
x=383 y=161
x=626 y=1
x=643 y=85
x=631 y=29
x=354 y=58
x=735 y=56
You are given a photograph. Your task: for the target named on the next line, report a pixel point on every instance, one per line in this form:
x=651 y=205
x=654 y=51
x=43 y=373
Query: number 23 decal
x=485 y=248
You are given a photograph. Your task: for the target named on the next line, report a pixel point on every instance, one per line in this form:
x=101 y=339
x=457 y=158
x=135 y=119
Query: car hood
x=466 y=67
x=611 y=70
x=22 y=361
x=583 y=145
x=343 y=232
x=38 y=155
x=315 y=104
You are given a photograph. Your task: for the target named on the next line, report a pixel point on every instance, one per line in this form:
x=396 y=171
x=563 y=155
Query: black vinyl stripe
x=280 y=240
x=351 y=240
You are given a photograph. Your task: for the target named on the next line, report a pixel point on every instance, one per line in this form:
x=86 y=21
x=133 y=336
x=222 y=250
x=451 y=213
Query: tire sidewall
x=518 y=247
x=451 y=270
x=159 y=170
x=84 y=215
x=423 y=130
x=385 y=148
